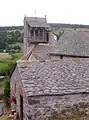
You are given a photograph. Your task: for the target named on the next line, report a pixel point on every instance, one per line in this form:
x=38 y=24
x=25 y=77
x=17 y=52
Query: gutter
x=66 y=55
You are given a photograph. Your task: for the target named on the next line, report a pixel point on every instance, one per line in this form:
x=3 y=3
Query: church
x=45 y=84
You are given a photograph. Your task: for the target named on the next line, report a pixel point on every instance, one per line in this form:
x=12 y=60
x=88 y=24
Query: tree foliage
x=10 y=37
x=2 y=39
x=8 y=70
x=13 y=37
x=13 y=48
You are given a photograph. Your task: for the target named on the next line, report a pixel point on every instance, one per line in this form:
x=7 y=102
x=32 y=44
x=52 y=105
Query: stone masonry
x=51 y=87
x=44 y=87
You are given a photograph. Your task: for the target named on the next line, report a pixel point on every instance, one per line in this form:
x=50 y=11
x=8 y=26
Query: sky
x=12 y=12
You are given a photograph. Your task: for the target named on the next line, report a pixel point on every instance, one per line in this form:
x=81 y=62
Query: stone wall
x=16 y=79
x=15 y=82
x=42 y=107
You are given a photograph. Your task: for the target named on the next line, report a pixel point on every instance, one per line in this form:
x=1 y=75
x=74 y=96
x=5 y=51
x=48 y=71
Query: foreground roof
x=55 y=77
x=73 y=43
x=37 y=22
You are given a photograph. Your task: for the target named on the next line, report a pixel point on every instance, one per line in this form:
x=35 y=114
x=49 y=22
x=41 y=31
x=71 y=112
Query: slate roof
x=73 y=43
x=41 y=52
x=60 y=77
x=37 y=22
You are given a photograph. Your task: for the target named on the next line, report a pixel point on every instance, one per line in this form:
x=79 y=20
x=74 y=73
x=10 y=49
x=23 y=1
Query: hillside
x=59 y=25
x=11 y=27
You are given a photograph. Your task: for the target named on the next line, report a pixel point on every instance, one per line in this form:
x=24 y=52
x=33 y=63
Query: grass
x=3 y=65
x=4 y=56
x=2 y=81
x=17 y=56
x=80 y=112
x=6 y=116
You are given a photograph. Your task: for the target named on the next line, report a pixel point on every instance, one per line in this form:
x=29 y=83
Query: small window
x=15 y=87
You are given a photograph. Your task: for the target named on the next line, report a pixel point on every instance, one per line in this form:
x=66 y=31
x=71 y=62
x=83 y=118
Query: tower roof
x=37 y=22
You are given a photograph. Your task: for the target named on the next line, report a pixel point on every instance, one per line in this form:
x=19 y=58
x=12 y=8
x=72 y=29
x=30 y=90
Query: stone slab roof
x=60 y=77
x=73 y=43
x=37 y=22
x=41 y=52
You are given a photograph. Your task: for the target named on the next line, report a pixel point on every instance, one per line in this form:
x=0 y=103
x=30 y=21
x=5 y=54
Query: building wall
x=16 y=82
x=26 y=35
x=41 y=108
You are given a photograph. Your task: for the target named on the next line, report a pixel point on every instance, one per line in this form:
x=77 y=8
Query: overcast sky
x=59 y=11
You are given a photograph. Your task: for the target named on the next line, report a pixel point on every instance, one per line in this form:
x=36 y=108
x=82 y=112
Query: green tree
x=2 y=39
x=17 y=34
x=13 y=37
x=16 y=47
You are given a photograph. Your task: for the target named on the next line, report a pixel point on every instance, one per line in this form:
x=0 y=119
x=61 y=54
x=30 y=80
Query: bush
x=13 y=48
x=11 y=66
x=7 y=68
x=7 y=91
x=1 y=50
x=16 y=56
x=16 y=47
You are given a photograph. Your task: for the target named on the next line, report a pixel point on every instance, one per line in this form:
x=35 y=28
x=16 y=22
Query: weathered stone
x=50 y=95
x=33 y=101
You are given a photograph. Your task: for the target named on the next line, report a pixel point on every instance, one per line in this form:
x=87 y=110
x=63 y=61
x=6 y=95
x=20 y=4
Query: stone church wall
x=42 y=107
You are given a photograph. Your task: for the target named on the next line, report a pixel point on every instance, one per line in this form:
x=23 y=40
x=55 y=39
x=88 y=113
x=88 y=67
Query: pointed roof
x=55 y=77
x=37 y=22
